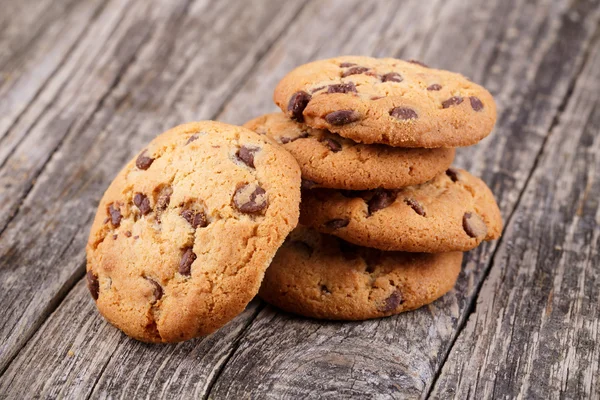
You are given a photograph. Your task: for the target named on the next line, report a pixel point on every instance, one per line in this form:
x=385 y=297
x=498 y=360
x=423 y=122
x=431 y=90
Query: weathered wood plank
x=30 y=57
x=528 y=54
x=386 y=356
x=67 y=99
x=535 y=332
x=154 y=71
x=92 y=344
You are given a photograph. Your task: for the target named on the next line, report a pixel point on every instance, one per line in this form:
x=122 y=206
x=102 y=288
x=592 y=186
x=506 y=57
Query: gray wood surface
x=535 y=332
x=82 y=92
x=149 y=70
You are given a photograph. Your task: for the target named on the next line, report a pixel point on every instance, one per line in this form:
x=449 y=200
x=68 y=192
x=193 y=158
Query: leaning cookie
x=454 y=212
x=389 y=101
x=184 y=233
x=321 y=276
x=331 y=161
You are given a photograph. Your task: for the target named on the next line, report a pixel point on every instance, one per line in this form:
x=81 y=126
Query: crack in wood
x=555 y=121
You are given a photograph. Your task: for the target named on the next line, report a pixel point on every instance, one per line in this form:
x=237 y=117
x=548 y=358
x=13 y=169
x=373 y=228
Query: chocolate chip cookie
x=331 y=161
x=184 y=233
x=389 y=101
x=321 y=276
x=453 y=212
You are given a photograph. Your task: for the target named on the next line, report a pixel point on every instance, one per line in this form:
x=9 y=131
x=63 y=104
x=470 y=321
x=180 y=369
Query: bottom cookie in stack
x=321 y=276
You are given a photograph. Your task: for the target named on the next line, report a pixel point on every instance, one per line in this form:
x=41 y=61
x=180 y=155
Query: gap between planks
x=76 y=277
x=472 y=306
x=70 y=283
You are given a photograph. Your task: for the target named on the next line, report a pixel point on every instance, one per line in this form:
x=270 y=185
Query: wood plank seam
x=217 y=112
x=70 y=283
x=86 y=123
x=39 y=32
x=44 y=85
x=259 y=57
x=52 y=305
x=233 y=350
x=91 y=392
x=472 y=306
x=75 y=278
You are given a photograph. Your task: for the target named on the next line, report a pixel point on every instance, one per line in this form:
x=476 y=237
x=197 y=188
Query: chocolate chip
x=250 y=198
x=434 y=87
x=302 y=246
x=381 y=200
x=476 y=104
x=157 y=290
x=317 y=89
x=128 y=233
x=93 y=284
x=404 y=113
x=452 y=101
x=354 y=71
x=453 y=174
x=474 y=226
x=333 y=145
x=115 y=237
x=392 y=77
x=325 y=289
x=286 y=140
x=347 y=64
x=192 y=138
x=195 y=219
x=246 y=155
x=115 y=215
x=342 y=117
x=143 y=161
x=188 y=215
x=164 y=197
x=142 y=202
x=342 y=88
x=185 y=265
x=297 y=104
x=136 y=237
x=392 y=302
x=308 y=184
x=415 y=205
x=337 y=223
x=200 y=220
x=418 y=63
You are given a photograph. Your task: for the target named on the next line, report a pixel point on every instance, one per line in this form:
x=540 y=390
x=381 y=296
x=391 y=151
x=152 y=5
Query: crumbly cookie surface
x=331 y=161
x=389 y=101
x=321 y=276
x=184 y=233
x=453 y=212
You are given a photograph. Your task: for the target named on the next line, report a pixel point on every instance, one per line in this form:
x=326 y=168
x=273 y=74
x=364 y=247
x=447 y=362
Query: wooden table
x=85 y=83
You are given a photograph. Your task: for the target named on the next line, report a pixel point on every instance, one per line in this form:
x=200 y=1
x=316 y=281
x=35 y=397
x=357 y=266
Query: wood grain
x=73 y=359
x=535 y=332
x=140 y=67
x=78 y=75
x=400 y=356
x=153 y=70
x=30 y=57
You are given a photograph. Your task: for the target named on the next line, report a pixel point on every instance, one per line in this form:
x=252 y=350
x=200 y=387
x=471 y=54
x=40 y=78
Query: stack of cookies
x=384 y=216
x=192 y=226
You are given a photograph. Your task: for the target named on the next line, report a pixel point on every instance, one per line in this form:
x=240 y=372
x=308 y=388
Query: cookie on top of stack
x=384 y=217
